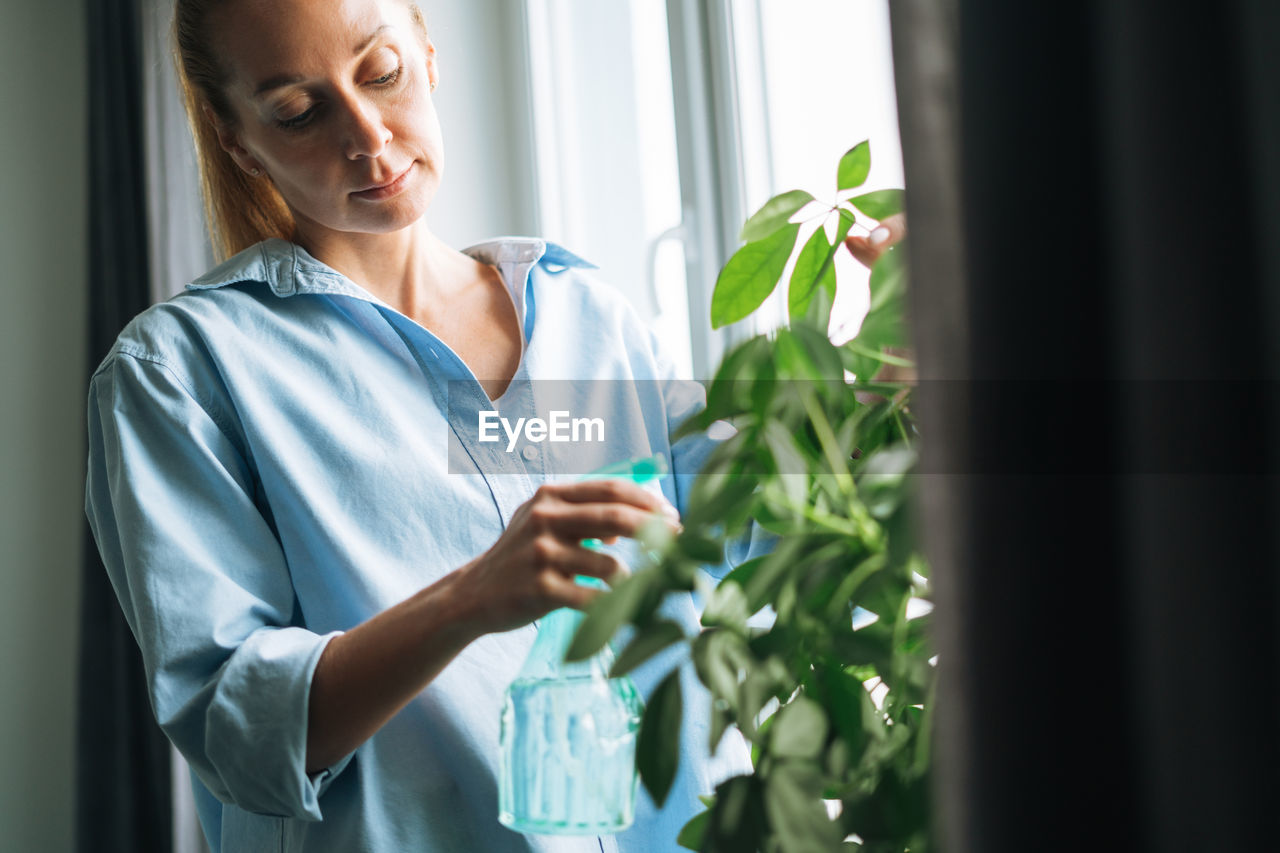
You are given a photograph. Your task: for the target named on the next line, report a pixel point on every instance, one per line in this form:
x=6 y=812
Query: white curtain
x=179 y=242
x=179 y=250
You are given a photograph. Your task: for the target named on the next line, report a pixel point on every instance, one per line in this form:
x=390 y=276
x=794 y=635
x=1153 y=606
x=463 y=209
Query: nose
x=367 y=133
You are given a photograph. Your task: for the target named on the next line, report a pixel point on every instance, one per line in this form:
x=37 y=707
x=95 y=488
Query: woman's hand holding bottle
x=530 y=569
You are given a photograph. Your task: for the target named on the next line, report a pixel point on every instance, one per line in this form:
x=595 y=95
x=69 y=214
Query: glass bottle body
x=568 y=741
x=568 y=735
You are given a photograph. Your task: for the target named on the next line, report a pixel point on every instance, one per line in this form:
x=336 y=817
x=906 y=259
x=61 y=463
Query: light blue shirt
x=275 y=456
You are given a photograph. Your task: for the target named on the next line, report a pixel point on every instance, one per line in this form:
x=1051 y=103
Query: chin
x=392 y=217
x=408 y=207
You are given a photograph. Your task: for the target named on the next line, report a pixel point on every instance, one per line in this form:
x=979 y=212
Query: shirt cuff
x=256 y=734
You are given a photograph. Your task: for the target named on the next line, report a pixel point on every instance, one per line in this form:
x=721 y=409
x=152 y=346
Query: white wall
x=42 y=378
x=482 y=100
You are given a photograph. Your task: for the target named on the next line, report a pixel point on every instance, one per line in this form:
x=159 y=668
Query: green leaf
x=883 y=326
x=768 y=577
x=853 y=579
x=741 y=575
x=804 y=276
x=750 y=276
x=855 y=165
x=788 y=460
x=796 y=812
x=721 y=719
x=800 y=729
x=839 y=465
x=658 y=745
x=645 y=644
x=757 y=742
x=714 y=663
x=696 y=546
x=886 y=469
x=738 y=370
x=888 y=278
x=881 y=330
x=691 y=834
x=815 y=273
x=727 y=608
x=824 y=355
x=607 y=613
x=838 y=760
x=771 y=518
x=896 y=817
x=766 y=680
x=884 y=593
x=872 y=644
x=719 y=499
x=737 y=819
x=848 y=702
x=818 y=311
x=859 y=365
x=774 y=215
x=744 y=362
x=880 y=203
x=785 y=515
x=924 y=739
x=778 y=640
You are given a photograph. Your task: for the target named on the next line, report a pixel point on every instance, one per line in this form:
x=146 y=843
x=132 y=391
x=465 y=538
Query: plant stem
x=830 y=446
x=833 y=523
x=879 y=355
x=902 y=429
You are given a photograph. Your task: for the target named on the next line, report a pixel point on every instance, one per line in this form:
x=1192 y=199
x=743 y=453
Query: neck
x=412 y=270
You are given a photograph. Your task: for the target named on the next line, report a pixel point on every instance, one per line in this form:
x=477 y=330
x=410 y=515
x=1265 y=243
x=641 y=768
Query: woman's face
x=332 y=101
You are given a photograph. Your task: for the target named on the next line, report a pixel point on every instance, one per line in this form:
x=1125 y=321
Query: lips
x=378 y=191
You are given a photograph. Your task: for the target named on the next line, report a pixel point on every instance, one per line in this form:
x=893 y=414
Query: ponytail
x=239 y=210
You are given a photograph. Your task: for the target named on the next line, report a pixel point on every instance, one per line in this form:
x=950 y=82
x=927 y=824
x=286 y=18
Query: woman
x=331 y=573
x=331 y=576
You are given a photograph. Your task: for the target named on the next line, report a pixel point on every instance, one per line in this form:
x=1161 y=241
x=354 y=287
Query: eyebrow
x=289 y=79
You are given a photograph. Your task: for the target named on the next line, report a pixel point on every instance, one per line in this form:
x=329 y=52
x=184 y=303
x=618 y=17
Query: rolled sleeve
x=255 y=728
x=204 y=585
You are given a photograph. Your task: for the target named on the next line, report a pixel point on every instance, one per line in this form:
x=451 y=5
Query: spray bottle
x=568 y=729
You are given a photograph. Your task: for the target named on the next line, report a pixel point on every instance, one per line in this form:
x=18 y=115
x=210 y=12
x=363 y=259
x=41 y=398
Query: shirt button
x=530 y=452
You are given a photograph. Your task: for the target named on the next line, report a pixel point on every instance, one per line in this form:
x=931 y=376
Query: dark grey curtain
x=123 y=801
x=1096 y=290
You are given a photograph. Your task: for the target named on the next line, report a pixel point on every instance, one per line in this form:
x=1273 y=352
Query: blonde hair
x=239 y=210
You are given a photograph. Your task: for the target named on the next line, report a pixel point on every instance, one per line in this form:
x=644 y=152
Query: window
x=659 y=127
x=608 y=182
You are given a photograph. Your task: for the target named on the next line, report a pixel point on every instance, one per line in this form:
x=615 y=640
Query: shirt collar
x=288 y=269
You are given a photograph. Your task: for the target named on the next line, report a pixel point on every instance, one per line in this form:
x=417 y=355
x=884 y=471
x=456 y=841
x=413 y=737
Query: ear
x=230 y=143
x=433 y=69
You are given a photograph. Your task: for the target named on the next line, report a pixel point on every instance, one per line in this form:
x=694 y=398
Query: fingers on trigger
x=596 y=564
x=565 y=592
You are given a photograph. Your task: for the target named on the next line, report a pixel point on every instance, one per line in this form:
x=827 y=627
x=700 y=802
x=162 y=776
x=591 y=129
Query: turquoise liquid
x=569 y=760
x=568 y=735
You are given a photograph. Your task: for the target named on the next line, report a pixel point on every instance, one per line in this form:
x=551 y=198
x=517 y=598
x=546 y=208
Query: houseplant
x=835 y=691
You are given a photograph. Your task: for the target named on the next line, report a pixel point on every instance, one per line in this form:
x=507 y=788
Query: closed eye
x=388 y=78
x=300 y=120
